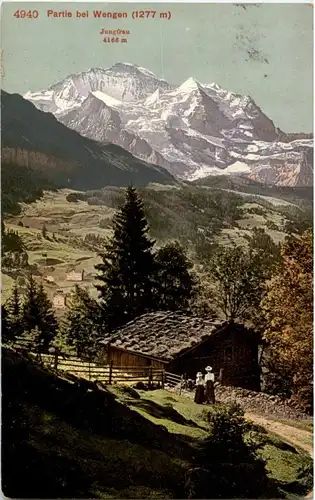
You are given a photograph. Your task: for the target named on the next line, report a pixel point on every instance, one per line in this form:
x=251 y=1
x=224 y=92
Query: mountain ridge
x=38 y=140
x=192 y=130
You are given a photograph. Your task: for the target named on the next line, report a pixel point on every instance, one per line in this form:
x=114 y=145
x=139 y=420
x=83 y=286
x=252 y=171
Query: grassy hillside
x=199 y=218
x=300 y=195
x=62 y=440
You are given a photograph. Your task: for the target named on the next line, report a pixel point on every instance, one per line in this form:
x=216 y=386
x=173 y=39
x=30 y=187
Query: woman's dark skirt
x=210 y=397
x=200 y=394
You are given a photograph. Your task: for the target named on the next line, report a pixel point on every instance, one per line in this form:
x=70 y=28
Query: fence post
x=56 y=361
x=181 y=383
x=221 y=376
x=110 y=372
x=163 y=379
x=89 y=370
x=150 y=377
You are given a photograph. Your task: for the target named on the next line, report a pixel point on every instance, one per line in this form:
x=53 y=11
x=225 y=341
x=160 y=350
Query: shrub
x=227 y=462
x=75 y=197
x=257 y=211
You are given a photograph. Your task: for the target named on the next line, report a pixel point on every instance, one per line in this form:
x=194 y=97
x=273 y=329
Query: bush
x=75 y=197
x=227 y=462
x=257 y=211
x=271 y=225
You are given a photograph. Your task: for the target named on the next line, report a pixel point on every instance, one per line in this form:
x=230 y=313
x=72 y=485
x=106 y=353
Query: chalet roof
x=163 y=335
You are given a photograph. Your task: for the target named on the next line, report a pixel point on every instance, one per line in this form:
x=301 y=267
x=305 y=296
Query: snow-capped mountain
x=192 y=130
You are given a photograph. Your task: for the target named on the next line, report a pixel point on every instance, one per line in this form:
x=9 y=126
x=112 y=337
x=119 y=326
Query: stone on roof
x=163 y=335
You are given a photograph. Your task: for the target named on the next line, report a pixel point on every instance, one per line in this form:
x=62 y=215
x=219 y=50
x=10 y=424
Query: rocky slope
x=36 y=139
x=192 y=130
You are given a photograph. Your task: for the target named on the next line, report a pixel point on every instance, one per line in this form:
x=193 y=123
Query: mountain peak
x=189 y=84
x=125 y=67
x=153 y=98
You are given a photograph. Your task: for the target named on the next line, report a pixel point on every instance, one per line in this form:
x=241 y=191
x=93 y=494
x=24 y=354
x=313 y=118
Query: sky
x=261 y=50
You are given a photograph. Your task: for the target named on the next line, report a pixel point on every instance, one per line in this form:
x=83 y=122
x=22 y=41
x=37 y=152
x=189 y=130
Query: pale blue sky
x=265 y=51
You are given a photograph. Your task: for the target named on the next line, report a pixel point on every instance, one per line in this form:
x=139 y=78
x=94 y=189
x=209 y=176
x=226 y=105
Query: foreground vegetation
x=61 y=440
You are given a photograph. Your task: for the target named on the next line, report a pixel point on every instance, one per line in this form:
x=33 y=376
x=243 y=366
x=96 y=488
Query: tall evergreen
x=13 y=308
x=5 y=325
x=30 y=308
x=47 y=321
x=14 y=303
x=38 y=315
x=127 y=268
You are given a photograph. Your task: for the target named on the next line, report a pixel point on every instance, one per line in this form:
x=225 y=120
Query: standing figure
x=209 y=379
x=200 y=389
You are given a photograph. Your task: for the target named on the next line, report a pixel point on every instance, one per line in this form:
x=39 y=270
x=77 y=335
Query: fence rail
x=109 y=374
x=174 y=380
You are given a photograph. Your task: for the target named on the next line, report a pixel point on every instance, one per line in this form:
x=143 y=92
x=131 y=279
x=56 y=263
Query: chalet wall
x=231 y=351
x=123 y=358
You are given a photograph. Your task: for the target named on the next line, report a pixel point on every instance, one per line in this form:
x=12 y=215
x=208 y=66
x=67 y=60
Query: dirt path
x=291 y=435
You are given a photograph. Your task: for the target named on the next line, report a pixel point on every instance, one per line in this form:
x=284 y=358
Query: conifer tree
x=47 y=322
x=14 y=303
x=5 y=325
x=38 y=315
x=127 y=268
x=29 y=308
x=13 y=312
x=80 y=329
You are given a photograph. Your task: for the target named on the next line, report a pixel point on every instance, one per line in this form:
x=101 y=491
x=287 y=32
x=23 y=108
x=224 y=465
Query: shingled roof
x=163 y=335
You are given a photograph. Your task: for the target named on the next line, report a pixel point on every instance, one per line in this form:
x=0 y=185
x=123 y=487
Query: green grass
x=283 y=460
x=115 y=443
x=183 y=405
x=304 y=425
x=283 y=465
x=103 y=459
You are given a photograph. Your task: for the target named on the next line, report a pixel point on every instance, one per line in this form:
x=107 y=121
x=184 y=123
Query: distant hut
x=50 y=279
x=59 y=300
x=74 y=275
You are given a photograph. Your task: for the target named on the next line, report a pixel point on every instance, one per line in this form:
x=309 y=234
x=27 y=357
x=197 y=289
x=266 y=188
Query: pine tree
x=174 y=280
x=80 y=329
x=13 y=311
x=5 y=326
x=38 y=315
x=127 y=267
x=30 y=308
x=14 y=303
x=44 y=231
x=47 y=322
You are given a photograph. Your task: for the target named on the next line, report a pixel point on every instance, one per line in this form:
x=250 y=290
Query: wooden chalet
x=185 y=344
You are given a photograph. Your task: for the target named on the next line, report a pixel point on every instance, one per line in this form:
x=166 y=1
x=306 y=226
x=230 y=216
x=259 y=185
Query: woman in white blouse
x=209 y=380
x=200 y=389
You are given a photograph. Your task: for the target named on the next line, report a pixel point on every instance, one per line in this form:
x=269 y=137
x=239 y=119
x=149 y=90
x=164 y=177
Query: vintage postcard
x=157 y=250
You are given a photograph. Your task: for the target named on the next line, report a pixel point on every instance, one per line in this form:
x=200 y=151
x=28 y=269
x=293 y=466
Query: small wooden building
x=185 y=344
x=73 y=275
x=59 y=300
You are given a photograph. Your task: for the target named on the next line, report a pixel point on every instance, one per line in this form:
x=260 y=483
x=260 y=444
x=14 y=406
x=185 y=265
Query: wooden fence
x=108 y=374
x=175 y=381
